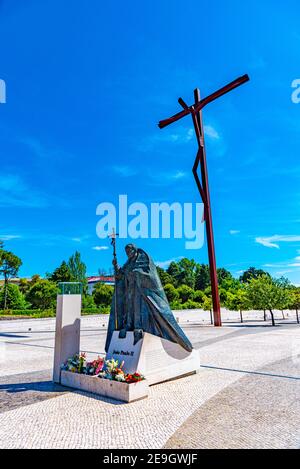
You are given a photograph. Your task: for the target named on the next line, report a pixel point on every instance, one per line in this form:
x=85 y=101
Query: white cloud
x=9 y=237
x=100 y=248
x=180 y=135
x=165 y=264
x=266 y=242
x=283 y=272
x=184 y=135
x=234 y=232
x=80 y=239
x=42 y=151
x=211 y=132
x=166 y=178
x=125 y=171
x=272 y=241
x=177 y=175
x=14 y=192
x=291 y=263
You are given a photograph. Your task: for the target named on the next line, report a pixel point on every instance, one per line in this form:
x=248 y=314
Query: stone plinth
x=113 y=389
x=67 y=334
x=157 y=359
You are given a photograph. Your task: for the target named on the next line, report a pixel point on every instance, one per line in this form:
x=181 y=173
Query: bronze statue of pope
x=140 y=304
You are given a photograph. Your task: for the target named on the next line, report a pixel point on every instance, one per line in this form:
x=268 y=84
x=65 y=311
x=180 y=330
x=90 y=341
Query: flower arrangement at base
x=95 y=367
x=106 y=369
x=78 y=364
x=135 y=378
x=113 y=371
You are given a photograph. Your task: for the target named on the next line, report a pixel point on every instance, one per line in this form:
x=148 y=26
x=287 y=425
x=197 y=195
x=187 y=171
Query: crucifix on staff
x=202 y=182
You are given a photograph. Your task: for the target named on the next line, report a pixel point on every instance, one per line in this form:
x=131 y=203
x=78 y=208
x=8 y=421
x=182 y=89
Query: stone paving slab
x=258 y=411
x=26 y=389
x=79 y=420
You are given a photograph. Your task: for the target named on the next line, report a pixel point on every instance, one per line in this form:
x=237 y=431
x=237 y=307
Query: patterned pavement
x=246 y=394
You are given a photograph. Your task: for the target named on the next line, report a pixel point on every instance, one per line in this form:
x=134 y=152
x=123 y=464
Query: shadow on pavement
x=40 y=386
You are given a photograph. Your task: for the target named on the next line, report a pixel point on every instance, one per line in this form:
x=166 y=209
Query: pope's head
x=131 y=251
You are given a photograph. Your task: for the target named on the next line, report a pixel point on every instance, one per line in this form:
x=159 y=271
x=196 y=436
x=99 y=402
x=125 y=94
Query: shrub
x=103 y=294
x=42 y=295
x=185 y=293
x=36 y=313
x=198 y=297
x=14 y=300
x=176 y=305
x=190 y=304
x=171 y=292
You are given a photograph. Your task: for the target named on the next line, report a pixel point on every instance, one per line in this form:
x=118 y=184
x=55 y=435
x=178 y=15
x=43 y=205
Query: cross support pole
x=196 y=112
x=201 y=159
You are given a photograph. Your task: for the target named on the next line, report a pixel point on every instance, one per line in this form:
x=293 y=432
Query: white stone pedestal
x=67 y=334
x=157 y=359
x=105 y=387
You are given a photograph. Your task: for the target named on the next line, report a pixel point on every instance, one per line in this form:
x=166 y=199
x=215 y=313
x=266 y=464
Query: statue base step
x=157 y=359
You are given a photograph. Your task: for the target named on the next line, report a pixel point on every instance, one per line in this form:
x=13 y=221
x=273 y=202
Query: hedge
x=49 y=313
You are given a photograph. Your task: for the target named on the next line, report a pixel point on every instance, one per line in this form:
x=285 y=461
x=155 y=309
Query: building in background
x=92 y=281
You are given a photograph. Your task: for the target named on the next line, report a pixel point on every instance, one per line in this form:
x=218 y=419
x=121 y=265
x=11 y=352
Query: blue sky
x=87 y=83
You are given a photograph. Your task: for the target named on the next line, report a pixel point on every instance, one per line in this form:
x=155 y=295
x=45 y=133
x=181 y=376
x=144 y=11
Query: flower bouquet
x=113 y=371
x=114 y=383
x=107 y=369
x=78 y=364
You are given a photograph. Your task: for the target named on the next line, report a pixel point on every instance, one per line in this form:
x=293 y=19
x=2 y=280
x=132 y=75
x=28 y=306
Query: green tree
x=190 y=304
x=238 y=301
x=284 y=287
x=294 y=301
x=198 y=297
x=208 y=306
x=14 y=298
x=265 y=293
x=103 y=294
x=10 y=265
x=62 y=274
x=223 y=296
x=171 y=292
x=88 y=302
x=231 y=285
x=187 y=272
x=223 y=276
x=251 y=273
x=185 y=293
x=25 y=284
x=42 y=294
x=202 y=277
x=165 y=278
x=174 y=271
x=77 y=268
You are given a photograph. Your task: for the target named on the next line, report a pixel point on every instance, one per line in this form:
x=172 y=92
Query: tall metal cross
x=202 y=183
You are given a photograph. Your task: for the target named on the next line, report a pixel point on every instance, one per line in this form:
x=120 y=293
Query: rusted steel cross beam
x=202 y=183
x=200 y=105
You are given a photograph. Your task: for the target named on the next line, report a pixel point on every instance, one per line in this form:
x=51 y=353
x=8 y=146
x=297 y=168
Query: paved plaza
x=245 y=396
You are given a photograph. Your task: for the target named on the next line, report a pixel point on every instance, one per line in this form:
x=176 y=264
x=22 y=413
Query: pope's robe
x=140 y=304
